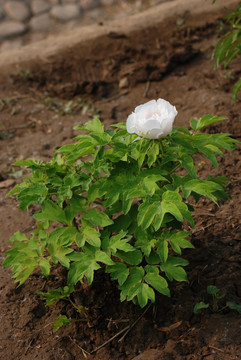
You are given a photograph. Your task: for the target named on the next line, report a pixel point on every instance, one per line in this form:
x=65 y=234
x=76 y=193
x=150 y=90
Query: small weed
x=71 y=107
x=52 y=296
x=23 y=74
x=215 y=305
x=61 y=320
x=6 y=135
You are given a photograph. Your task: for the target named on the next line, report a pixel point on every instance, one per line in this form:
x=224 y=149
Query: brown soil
x=168 y=61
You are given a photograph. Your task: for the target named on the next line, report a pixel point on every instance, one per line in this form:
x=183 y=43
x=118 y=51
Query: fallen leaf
x=171 y=327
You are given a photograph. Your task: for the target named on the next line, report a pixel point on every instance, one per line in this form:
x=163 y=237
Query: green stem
x=175 y=168
x=162 y=148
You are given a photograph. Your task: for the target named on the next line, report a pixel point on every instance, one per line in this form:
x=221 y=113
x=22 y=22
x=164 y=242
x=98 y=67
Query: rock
x=11 y=28
x=107 y=2
x=6 y=183
x=17 y=10
x=65 y=12
x=39 y=6
x=123 y=83
x=89 y=4
x=1 y=14
x=11 y=44
x=40 y=22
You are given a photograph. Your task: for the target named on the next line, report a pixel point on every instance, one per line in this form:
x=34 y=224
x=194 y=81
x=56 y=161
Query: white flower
x=152 y=120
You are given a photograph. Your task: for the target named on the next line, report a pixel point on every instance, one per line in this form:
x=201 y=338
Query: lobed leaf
x=205 y=121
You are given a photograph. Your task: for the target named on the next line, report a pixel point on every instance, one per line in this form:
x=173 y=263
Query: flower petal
x=130 y=124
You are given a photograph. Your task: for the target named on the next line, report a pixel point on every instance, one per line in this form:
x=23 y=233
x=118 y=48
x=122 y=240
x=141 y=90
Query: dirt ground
x=39 y=108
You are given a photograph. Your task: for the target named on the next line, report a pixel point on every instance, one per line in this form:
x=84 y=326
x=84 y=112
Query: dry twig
x=112 y=338
x=84 y=352
x=134 y=323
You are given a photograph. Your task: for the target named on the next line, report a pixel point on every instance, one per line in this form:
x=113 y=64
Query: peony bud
x=152 y=120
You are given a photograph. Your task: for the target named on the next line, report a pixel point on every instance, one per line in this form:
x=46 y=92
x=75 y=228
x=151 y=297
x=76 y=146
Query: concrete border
x=43 y=50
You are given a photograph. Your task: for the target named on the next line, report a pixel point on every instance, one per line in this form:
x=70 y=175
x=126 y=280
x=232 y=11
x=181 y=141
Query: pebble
x=11 y=28
x=123 y=83
x=11 y=44
x=40 y=6
x=1 y=14
x=107 y=2
x=6 y=183
x=37 y=17
x=40 y=22
x=65 y=12
x=89 y=4
x=17 y=10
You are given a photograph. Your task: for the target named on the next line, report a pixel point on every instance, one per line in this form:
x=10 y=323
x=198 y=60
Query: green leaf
x=153 y=258
x=97 y=190
x=193 y=123
x=149 y=184
x=28 y=163
x=171 y=203
x=58 y=242
x=119 y=271
x=58 y=254
x=147 y=212
x=178 y=241
x=84 y=266
x=212 y=290
x=54 y=295
x=162 y=249
x=76 y=205
x=176 y=261
x=61 y=320
x=199 y=306
x=18 y=237
x=236 y=89
x=188 y=165
x=135 y=276
x=85 y=146
x=233 y=306
x=97 y=218
x=51 y=212
x=103 y=257
x=152 y=154
x=158 y=283
x=89 y=235
x=144 y=294
x=121 y=223
x=205 y=121
x=101 y=138
x=132 y=258
x=94 y=125
x=34 y=193
x=202 y=187
x=174 y=272
x=22 y=272
x=126 y=201
x=118 y=243
x=144 y=242
x=23 y=257
x=209 y=153
x=45 y=266
x=112 y=192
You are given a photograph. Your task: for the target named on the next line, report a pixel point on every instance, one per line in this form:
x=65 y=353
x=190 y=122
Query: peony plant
x=116 y=199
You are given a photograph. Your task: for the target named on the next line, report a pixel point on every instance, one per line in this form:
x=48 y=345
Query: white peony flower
x=152 y=120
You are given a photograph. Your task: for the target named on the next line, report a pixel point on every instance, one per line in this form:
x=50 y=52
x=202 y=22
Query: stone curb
x=14 y=59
